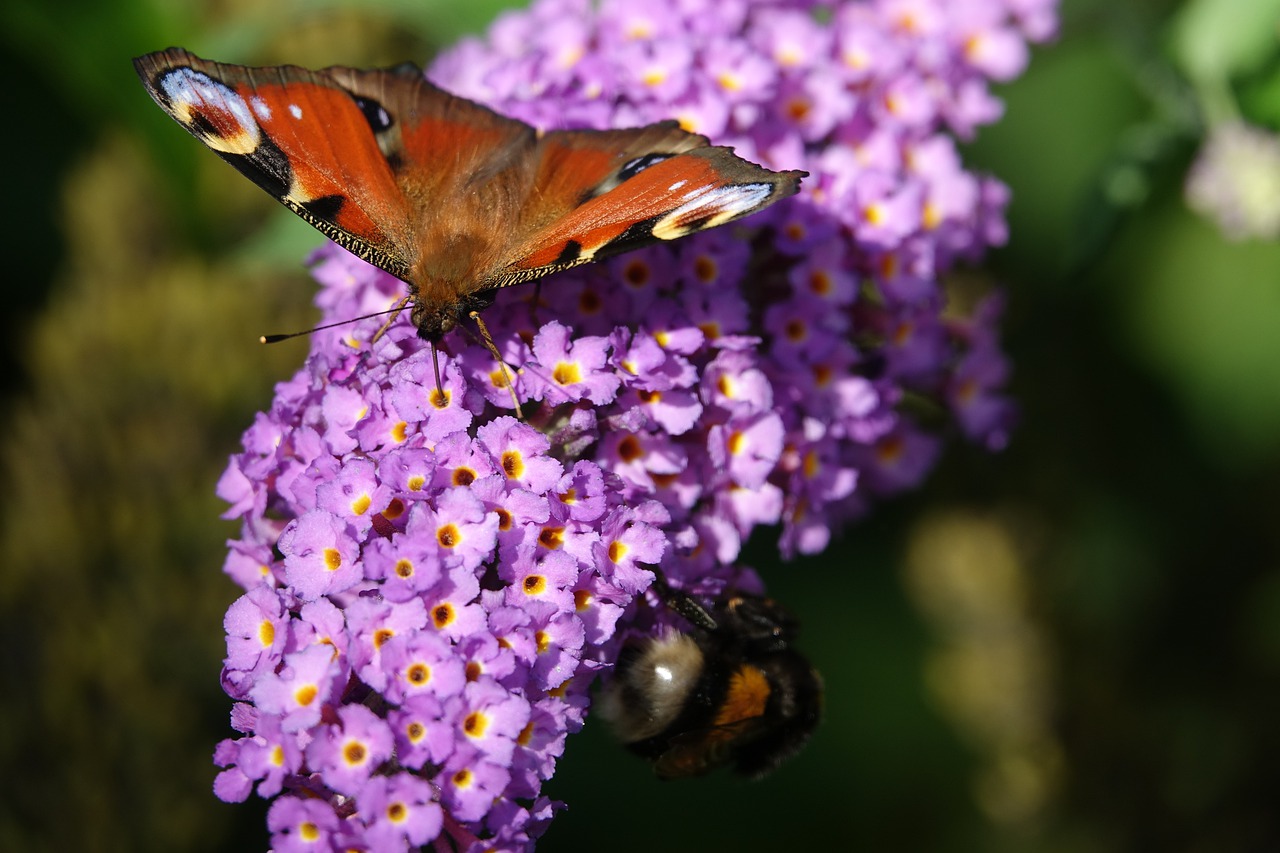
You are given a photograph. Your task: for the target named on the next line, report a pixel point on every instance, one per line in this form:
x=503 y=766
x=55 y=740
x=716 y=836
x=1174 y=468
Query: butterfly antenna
x=275 y=339
x=502 y=365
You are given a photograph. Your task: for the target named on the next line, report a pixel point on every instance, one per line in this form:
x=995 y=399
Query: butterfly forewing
x=297 y=135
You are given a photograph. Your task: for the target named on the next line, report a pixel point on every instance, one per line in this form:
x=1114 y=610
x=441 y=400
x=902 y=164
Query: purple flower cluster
x=432 y=585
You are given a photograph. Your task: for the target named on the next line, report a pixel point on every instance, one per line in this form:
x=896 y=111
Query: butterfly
x=443 y=193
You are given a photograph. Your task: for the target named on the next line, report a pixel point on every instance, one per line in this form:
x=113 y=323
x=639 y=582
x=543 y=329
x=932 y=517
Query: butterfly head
x=434 y=321
x=436 y=318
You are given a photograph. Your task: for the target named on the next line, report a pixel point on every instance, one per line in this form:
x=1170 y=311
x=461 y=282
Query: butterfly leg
x=502 y=365
x=682 y=603
x=395 y=312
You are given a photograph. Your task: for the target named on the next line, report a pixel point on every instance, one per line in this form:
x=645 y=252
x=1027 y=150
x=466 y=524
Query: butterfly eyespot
x=375 y=113
x=634 y=167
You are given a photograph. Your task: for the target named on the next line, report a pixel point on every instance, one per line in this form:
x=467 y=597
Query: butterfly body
x=443 y=193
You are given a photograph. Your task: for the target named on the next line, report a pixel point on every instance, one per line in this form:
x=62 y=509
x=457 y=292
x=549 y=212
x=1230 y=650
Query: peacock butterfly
x=443 y=193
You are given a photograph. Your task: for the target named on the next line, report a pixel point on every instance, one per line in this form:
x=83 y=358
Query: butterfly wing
x=360 y=155
x=300 y=137
x=601 y=193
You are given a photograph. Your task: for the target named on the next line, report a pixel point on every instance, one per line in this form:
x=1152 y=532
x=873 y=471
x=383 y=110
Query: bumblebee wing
x=700 y=751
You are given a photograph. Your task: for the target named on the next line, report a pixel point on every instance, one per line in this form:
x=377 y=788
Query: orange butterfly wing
x=367 y=157
x=608 y=192
x=294 y=134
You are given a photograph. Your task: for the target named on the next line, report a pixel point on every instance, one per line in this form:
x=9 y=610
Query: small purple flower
x=548 y=580
x=424 y=731
x=268 y=756
x=416 y=400
x=320 y=558
x=465 y=531
x=484 y=655
x=748 y=449
x=257 y=628
x=538 y=746
x=626 y=542
x=459 y=461
x=407 y=470
x=347 y=752
x=372 y=624
x=299 y=692
x=521 y=515
x=520 y=452
x=303 y=825
x=400 y=811
x=232 y=785
x=559 y=636
x=449 y=604
x=407 y=565
x=321 y=623
x=421 y=663
x=490 y=717
x=567 y=372
x=470 y=782
x=354 y=495
x=343 y=408
x=899 y=460
x=580 y=494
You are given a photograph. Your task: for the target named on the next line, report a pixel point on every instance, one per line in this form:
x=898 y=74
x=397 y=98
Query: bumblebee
x=730 y=691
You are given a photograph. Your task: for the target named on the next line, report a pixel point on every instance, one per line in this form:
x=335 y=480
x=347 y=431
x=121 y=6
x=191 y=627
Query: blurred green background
x=1071 y=646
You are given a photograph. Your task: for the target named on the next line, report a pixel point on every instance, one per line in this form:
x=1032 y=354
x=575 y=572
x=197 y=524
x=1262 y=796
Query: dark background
x=1070 y=646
